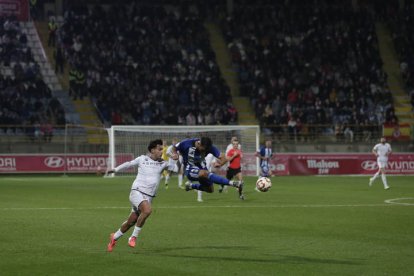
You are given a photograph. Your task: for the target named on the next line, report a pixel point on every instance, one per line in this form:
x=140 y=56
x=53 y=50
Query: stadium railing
x=12 y=136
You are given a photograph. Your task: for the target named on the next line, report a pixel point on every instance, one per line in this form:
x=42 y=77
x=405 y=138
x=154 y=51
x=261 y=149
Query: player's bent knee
x=146 y=212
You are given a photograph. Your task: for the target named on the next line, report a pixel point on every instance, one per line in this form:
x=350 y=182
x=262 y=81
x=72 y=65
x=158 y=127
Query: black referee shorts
x=232 y=172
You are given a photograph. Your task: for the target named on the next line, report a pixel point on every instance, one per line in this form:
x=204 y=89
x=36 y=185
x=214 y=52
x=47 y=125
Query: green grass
x=303 y=226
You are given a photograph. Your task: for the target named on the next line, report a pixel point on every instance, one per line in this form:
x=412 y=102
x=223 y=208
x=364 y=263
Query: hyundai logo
x=54 y=161
x=369 y=165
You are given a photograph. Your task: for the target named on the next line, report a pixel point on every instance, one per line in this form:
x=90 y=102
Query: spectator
x=59 y=60
x=321 y=62
x=47 y=131
x=52 y=27
x=128 y=55
x=25 y=98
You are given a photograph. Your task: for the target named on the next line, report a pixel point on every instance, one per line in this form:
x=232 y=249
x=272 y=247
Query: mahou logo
x=369 y=165
x=54 y=161
x=322 y=164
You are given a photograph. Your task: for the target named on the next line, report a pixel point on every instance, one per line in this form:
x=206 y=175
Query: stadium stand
x=145 y=65
x=33 y=106
x=319 y=78
x=341 y=83
x=25 y=98
x=402 y=27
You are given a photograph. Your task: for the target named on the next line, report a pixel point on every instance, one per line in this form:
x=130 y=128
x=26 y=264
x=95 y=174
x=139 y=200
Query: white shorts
x=173 y=165
x=136 y=197
x=382 y=164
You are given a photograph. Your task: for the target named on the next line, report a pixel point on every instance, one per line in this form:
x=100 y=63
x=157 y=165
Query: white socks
x=136 y=231
x=118 y=234
x=167 y=178
x=180 y=180
x=384 y=180
x=199 y=196
x=375 y=176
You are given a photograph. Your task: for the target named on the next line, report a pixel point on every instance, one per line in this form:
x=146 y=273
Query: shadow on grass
x=220 y=256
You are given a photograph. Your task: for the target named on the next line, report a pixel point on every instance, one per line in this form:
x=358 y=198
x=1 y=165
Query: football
x=263 y=184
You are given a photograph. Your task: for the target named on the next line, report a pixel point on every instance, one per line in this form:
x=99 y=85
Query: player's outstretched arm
x=124 y=166
x=221 y=160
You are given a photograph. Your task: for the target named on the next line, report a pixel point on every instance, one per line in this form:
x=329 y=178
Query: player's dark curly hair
x=206 y=143
x=154 y=143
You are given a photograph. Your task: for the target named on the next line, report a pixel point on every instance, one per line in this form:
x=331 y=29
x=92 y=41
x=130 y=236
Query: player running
x=165 y=174
x=143 y=190
x=381 y=151
x=234 y=157
x=176 y=164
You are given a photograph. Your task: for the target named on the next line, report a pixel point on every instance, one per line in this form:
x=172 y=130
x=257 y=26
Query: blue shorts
x=192 y=174
x=265 y=170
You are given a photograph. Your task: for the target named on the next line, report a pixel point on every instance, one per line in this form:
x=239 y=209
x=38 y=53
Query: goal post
x=127 y=142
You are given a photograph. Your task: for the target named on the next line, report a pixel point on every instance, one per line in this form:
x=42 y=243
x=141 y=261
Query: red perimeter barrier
x=50 y=163
x=326 y=164
x=281 y=164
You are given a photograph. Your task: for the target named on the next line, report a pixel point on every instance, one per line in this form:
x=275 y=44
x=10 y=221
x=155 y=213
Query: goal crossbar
x=122 y=137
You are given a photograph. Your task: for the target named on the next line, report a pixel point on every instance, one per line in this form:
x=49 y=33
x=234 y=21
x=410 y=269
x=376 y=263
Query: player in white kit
x=176 y=164
x=381 y=151
x=143 y=190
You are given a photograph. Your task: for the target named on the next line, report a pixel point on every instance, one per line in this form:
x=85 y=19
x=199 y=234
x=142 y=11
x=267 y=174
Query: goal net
x=129 y=142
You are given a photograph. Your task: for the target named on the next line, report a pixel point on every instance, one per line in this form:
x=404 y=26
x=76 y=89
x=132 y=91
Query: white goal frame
x=177 y=129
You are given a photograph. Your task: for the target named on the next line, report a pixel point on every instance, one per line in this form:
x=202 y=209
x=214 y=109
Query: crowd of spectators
x=401 y=22
x=146 y=65
x=306 y=64
x=26 y=103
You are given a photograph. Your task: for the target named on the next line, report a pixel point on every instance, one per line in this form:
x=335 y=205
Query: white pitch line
x=396 y=201
x=200 y=207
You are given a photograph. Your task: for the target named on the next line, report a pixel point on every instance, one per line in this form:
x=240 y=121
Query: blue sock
x=196 y=186
x=218 y=179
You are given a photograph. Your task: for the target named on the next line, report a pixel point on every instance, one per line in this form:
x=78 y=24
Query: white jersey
x=209 y=160
x=148 y=176
x=173 y=164
x=382 y=150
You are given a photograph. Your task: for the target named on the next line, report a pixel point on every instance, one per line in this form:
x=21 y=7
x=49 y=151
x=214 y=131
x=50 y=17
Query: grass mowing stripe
x=219 y=207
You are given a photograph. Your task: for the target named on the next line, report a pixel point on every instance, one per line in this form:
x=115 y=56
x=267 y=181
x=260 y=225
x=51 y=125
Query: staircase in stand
x=246 y=115
x=402 y=105
x=84 y=109
x=47 y=72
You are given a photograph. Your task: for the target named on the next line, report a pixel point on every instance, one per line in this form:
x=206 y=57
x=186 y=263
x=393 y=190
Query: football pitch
x=53 y=225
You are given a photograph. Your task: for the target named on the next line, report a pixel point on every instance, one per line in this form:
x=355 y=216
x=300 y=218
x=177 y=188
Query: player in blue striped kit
x=265 y=153
x=194 y=152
